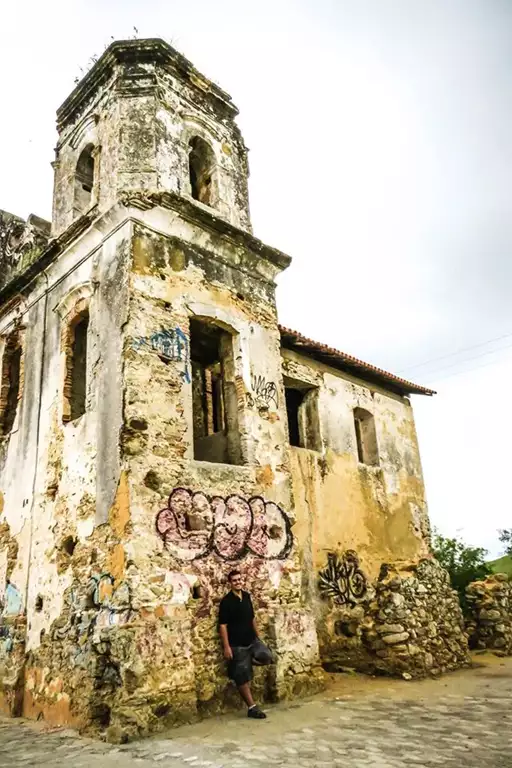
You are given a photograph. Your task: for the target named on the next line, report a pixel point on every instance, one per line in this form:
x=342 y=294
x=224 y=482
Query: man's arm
x=253 y=619
x=228 y=653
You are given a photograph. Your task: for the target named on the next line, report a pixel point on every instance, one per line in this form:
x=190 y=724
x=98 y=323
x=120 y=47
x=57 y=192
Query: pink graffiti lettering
x=193 y=526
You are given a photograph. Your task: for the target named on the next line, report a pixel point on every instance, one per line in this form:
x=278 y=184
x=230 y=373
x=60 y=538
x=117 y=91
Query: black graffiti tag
x=264 y=393
x=342 y=580
x=194 y=525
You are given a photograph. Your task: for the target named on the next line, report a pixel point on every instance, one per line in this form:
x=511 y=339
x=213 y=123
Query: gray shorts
x=240 y=667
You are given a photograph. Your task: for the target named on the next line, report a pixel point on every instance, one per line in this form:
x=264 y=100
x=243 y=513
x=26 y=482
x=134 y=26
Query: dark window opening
x=10 y=384
x=201 y=161
x=84 y=181
x=294 y=398
x=366 y=437
x=76 y=369
x=214 y=400
x=303 y=418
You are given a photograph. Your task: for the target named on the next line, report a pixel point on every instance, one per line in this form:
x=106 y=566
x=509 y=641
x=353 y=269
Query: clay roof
x=343 y=362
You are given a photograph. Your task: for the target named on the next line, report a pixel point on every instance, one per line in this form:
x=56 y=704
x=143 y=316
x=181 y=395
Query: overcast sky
x=380 y=144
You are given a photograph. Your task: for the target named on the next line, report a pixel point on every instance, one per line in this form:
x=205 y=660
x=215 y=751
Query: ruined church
x=158 y=426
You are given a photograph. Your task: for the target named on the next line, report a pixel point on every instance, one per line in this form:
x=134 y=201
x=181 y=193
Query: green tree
x=506 y=539
x=464 y=564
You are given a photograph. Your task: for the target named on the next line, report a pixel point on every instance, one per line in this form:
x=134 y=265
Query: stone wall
x=118 y=579
x=21 y=244
x=407 y=622
x=489 y=624
x=116 y=534
x=138 y=108
x=378 y=510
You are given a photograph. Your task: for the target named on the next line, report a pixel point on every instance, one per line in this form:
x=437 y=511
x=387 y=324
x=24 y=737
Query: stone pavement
x=463 y=719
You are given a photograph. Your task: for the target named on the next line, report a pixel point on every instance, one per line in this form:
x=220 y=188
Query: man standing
x=240 y=641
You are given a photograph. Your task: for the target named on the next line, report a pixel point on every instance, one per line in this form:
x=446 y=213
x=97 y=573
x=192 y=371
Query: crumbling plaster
x=140 y=123
x=377 y=510
x=115 y=541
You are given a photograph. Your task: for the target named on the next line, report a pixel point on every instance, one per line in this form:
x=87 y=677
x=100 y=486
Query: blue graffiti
x=170 y=344
x=13 y=600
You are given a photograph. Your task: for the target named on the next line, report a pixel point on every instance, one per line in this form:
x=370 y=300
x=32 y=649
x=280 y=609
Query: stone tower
x=158 y=428
x=144 y=119
x=150 y=467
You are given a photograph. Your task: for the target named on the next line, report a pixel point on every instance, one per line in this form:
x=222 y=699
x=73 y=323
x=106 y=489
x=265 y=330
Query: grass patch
x=502 y=565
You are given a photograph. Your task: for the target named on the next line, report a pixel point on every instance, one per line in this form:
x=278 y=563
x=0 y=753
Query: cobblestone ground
x=463 y=720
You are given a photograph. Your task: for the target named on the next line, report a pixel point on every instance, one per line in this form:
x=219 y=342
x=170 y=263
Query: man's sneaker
x=256 y=713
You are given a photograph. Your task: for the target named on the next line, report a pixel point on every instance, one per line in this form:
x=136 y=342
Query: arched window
x=75 y=384
x=10 y=382
x=84 y=181
x=366 y=437
x=201 y=162
x=214 y=397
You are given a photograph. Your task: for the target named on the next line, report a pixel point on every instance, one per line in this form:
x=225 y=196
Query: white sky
x=381 y=155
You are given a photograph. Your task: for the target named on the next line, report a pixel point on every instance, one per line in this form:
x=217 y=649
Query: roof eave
x=339 y=360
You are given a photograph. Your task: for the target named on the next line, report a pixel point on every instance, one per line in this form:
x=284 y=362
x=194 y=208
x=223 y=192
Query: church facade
x=158 y=428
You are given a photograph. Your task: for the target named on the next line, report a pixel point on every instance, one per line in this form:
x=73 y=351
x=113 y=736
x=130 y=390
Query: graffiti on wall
x=342 y=580
x=12 y=600
x=10 y=605
x=114 y=604
x=194 y=525
x=264 y=393
x=97 y=606
x=171 y=344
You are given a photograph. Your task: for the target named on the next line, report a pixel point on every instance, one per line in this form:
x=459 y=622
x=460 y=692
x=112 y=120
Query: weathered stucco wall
x=124 y=564
x=139 y=123
x=376 y=513
x=192 y=521
x=341 y=503
x=121 y=516
x=52 y=486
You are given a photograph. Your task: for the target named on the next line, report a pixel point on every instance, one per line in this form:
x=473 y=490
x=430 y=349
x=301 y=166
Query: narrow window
x=84 y=181
x=201 y=162
x=366 y=437
x=10 y=383
x=214 y=400
x=75 y=388
x=294 y=398
x=302 y=412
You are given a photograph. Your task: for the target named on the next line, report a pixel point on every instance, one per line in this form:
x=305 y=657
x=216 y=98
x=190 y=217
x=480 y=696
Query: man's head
x=235 y=580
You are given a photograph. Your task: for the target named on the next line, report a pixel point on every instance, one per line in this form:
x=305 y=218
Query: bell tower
x=153 y=402
x=144 y=119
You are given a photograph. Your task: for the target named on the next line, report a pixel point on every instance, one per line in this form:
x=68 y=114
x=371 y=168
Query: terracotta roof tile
x=294 y=340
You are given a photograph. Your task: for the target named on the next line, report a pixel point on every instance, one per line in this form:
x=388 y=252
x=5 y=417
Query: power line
x=457 y=352
x=467 y=360
x=466 y=370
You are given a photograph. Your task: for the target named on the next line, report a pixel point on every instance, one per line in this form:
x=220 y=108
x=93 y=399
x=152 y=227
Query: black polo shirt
x=238 y=614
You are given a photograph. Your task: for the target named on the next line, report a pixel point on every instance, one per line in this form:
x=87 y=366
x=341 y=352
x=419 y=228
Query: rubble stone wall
x=489 y=624
x=408 y=623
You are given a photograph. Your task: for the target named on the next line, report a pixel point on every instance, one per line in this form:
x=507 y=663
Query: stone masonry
x=490 y=613
x=158 y=427
x=409 y=623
